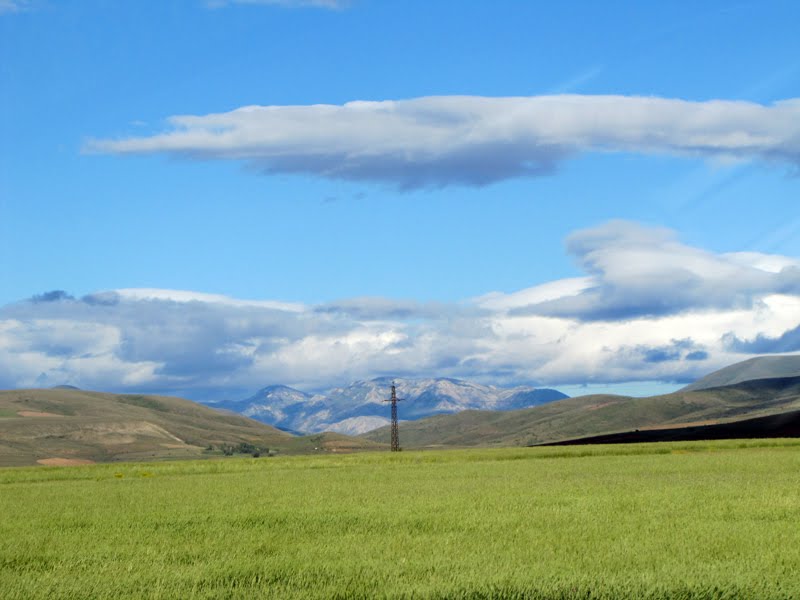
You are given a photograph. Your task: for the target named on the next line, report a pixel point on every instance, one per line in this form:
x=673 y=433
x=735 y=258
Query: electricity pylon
x=395 y=429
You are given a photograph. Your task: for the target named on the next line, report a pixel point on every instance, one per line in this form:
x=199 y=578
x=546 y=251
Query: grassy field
x=687 y=520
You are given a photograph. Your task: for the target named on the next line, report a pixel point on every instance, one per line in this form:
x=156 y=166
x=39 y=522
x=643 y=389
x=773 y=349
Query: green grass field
x=688 y=520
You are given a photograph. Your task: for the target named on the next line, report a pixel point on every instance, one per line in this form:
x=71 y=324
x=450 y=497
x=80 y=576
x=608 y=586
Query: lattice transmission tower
x=395 y=429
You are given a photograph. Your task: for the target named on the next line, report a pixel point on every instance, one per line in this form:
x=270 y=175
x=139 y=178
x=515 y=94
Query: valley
x=65 y=425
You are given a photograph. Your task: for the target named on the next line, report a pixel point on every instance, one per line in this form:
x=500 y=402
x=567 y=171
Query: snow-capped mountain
x=361 y=406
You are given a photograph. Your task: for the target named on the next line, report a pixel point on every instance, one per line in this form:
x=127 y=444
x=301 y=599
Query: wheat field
x=686 y=520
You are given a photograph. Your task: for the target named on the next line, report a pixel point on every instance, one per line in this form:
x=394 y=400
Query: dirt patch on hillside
x=125 y=432
x=64 y=462
x=35 y=413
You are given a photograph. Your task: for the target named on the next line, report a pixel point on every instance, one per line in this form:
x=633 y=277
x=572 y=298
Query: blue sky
x=664 y=133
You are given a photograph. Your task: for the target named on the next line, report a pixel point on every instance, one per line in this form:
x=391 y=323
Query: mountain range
x=754 y=398
x=361 y=407
x=774 y=392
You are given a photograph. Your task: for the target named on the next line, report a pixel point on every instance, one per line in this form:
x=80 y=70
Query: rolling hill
x=760 y=367
x=63 y=426
x=600 y=414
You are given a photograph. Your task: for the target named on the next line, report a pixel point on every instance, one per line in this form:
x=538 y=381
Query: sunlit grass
x=690 y=520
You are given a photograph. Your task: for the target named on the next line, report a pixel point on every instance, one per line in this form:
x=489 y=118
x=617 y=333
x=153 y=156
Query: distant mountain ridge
x=361 y=407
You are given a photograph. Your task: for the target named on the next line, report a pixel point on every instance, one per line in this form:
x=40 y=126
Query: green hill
x=599 y=414
x=63 y=426
x=761 y=367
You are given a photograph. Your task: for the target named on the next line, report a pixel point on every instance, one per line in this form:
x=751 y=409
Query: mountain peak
x=360 y=405
x=277 y=388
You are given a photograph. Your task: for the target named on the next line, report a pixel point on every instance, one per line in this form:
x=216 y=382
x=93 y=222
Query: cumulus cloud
x=472 y=140
x=648 y=309
x=643 y=271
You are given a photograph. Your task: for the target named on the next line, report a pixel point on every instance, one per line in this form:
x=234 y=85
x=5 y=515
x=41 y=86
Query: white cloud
x=472 y=140
x=697 y=311
x=188 y=296
x=554 y=290
x=639 y=271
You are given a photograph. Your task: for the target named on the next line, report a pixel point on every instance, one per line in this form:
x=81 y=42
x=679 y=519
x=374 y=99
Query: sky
x=203 y=198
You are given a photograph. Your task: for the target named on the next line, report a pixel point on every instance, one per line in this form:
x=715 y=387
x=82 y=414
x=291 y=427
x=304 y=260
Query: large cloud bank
x=648 y=308
x=472 y=140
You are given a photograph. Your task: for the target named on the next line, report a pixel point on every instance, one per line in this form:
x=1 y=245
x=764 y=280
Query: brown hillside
x=74 y=425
